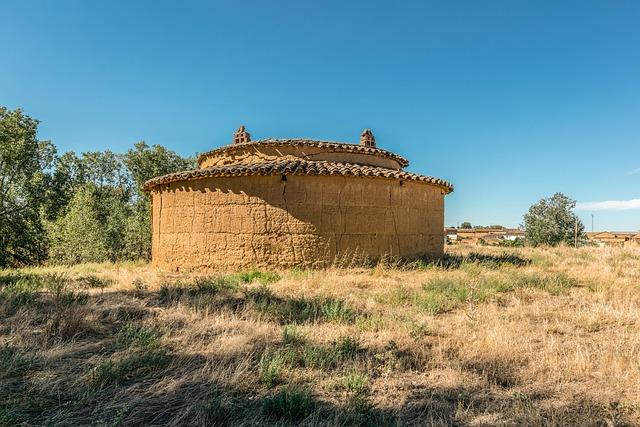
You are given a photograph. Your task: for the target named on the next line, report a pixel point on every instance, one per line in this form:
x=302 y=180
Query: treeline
x=70 y=208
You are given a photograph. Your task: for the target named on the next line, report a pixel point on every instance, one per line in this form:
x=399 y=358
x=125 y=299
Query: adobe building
x=294 y=202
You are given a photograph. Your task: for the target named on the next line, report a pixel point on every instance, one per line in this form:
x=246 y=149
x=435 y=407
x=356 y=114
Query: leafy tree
x=24 y=174
x=79 y=208
x=145 y=162
x=80 y=235
x=466 y=225
x=551 y=221
x=67 y=177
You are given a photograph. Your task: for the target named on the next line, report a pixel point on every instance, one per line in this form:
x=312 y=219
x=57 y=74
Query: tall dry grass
x=489 y=336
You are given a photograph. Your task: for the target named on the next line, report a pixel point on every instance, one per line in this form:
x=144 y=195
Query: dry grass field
x=486 y=337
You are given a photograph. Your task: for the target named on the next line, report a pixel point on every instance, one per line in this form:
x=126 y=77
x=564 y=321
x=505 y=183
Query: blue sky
x=509 y=100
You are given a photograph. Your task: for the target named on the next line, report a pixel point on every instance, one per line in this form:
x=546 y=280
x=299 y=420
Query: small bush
x=272 y=367
x=346 y=346
x=135 y=365
x=19 y=294
x=7 y=418
x=442 y=294
x=290 y=405
x=356 y=382
x=398 y=296
x=318 y=357
x=291 y=335
x=141 y=336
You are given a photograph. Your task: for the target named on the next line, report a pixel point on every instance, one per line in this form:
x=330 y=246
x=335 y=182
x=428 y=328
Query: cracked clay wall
x=313 y=221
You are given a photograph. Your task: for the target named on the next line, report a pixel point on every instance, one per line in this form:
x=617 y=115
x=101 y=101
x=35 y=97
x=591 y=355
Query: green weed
x=262 y=277
x=134 y=365
x=200 y=286
x=94 y=282
x=140 y=336
x=290 y=405
x=555 y=284
x=291 y=335
x=300 y=310
x=356 y=382
x=272 y=367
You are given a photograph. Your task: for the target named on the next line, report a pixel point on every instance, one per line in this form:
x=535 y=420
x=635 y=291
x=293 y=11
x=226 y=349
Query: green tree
x=24 y=174
x=551 y=221
x=67 y=177
x=466 y=225
x=80 y=234
x=145 y=162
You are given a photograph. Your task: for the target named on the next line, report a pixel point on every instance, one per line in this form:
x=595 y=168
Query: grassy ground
x=488 y=337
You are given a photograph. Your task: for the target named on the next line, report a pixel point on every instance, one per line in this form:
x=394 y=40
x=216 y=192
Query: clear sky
x=509 y=100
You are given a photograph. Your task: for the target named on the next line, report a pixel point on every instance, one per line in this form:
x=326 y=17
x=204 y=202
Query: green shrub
x=272 y=366
x=291 y=335
x=442 y=294
x=21 y=293
x=131 y=335
x=317 y=357
x=356 y=382
x=8 y=418
x=134 y=365
x=290 y=405
x=93 y=281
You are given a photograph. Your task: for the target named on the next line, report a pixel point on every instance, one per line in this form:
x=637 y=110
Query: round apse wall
x=301 y=220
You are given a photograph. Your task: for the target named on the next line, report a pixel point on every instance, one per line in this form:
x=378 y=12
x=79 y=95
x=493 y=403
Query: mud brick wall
x=315 y=221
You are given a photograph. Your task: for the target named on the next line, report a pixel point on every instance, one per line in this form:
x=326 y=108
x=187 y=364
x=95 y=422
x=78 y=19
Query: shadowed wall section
x=294 y=220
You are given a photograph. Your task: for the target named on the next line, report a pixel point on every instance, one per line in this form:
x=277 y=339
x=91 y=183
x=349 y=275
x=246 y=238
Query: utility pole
x=575 y=234
x=592 y=223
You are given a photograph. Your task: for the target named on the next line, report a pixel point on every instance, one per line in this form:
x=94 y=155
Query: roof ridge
x=310 y=142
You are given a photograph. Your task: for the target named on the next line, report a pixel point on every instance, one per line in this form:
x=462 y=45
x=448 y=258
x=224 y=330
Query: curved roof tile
x=311 y=143
x=297 y=167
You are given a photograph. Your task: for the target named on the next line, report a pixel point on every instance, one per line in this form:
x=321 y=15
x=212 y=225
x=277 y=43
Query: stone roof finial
x=241 y=136
x=367 y=139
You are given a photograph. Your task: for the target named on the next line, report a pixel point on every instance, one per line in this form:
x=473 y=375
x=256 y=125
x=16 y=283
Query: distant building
x=482 y=235
x=614 y=238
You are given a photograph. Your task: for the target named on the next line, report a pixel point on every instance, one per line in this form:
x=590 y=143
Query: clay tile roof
x=309 y=142
x=297 y=167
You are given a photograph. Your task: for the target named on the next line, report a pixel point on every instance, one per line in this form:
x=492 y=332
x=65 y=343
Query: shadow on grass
x=454 y=261
x=260 y=299
x=131 y=376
